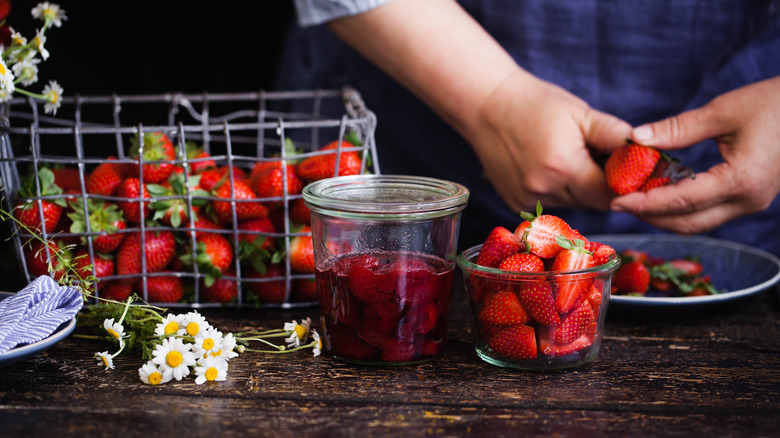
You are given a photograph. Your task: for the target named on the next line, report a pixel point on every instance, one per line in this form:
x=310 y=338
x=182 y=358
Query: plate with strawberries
x=669 y=271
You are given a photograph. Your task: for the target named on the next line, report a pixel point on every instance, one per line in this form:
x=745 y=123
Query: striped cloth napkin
x=36 y=311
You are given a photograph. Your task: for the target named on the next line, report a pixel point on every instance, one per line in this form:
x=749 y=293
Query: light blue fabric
x=313 y=12
x=36 y=311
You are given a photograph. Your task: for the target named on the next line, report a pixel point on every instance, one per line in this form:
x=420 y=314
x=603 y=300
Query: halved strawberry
x=499 y=244
x=573 y=257
x=538 y=232
x=550 y=349
x=503 y=309
x=516 y=342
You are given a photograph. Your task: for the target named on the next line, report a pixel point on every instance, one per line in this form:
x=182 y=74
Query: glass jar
x=384 y=253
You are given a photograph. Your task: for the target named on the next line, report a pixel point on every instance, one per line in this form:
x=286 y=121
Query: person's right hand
x=534 y=140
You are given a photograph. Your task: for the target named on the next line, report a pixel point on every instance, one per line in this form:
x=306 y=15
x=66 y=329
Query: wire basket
x=239 y=131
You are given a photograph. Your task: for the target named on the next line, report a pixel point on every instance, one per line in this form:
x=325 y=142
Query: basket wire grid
x=238 y=130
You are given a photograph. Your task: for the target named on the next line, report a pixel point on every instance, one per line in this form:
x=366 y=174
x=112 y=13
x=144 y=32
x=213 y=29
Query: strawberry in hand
x=634 y=167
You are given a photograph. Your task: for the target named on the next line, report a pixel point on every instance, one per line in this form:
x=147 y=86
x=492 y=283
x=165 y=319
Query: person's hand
x=746 y=125
x=533 y=140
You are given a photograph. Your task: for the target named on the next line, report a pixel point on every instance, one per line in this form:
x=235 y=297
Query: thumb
x=604 y=131
x=679 y=131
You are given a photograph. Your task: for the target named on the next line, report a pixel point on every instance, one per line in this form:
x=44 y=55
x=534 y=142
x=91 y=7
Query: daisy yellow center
x=2 y=69
x=300 y=331
x=105 y=360
x=216 y=353
x=155 y=378
x=193 y=329
x=113 y=333
x=208 y=344
x=211 y=374
x=174 y=359
x=171 y=327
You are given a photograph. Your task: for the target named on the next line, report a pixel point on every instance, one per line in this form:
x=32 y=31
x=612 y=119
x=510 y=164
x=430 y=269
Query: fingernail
x=643 y=133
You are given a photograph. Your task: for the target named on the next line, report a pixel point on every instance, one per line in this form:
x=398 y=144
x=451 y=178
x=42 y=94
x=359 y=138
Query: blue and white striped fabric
x=36 y=311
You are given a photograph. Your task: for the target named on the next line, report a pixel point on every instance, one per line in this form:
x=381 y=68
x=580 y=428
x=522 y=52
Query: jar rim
x=393 y=195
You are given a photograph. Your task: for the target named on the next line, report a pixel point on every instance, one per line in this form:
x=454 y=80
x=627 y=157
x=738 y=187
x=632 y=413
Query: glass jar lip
x=465 y=262
x=392 y=195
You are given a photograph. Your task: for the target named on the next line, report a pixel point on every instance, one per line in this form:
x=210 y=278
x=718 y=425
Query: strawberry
x=539 y=232
x=209 y=179
x=552 y=350
x=635 y=255
x=246 y=203
x=223 y=290
x=27 y=212
x=174 y=210
x=213 y=254
x=302 y=252
x=323 y=165
x=257 y=233
x=131 y=190
x=400 y=350
x=163 y=288
x=116 y=290
x=67 y=178
x=500 y=244
x=304 y=290
x=159 y=248
x=199 y=160
x=343 y=341
x=156 y=147
x=631 y=278
x=270 y=183
x=602 y=253
x=522 y=262
x=103 y=264
x=106 y=177
x=573 y=257
x=629 y=166
x=503 y=309
x=299 y=212
x=655 y=182
x=271 y=286
x=595 y=296
x=516 y=342
x=39 y=262
x=573 y=325
x=104 y=218
x=537 y=299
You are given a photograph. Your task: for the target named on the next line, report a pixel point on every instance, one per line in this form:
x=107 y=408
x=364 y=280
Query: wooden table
x=715 y=373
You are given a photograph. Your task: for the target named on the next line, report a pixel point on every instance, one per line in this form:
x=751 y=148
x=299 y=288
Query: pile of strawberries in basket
x=525 y=317
x=201 y=220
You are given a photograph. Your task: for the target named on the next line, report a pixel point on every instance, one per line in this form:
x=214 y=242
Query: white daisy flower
x=105 y=360
x=114 y=329
x=5 y=96
x=27 y=71
x=298 y=332
x=39 y=41
x=194 y=323
x=208 y=343
x=17 y=38
x=211 y=369
x=6 y=77
x=49 y=13
x=154 y=375
x=52 y=92
x=175 y=355
x=170 y=325
x=317 y=343
x=228 y=344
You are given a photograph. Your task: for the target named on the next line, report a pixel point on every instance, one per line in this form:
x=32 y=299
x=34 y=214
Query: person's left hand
x=746 y=125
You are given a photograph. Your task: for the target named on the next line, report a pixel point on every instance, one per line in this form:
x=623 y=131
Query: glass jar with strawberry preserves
x=384 y=252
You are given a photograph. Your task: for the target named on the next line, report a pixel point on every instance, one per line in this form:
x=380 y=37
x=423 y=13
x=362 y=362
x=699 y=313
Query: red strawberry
x=246 y=203
x=522 y=262
x=106 y=177
x=103 y=264
x=156 y=147
x=344 y=342
x=503 y=309
x=516 y=342
x=550 y=349
x=104 y=218
x=116 y=290
x=38 y=259
x=299 y=212
x=304 y=290
x=67 y=178
x=28 y=213
x=270 y=183
x=594 y=296
x=199 y=159
x=173 y=208
x=131 y=190
x=629 y=166
x=573 y=257
x=213 y=254
x=573 y=325
x=537 y=299
x=634 y=255
x=257 y=233
x=631 y=278
x=302 y=252
x=159 y=247
x=400 y=350
x=655 y=182
x=209 y=179
x=223 y=290
x=273 y=288
x=324 y=165
x=602 y=253
x=164 y=288
x=539 y=232
x=500 y=244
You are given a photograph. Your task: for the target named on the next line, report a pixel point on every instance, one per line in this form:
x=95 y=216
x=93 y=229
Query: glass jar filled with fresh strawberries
x=539 y=294
x=384 y=251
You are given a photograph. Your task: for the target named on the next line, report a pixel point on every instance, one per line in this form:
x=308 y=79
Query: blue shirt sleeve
x=314 y=12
